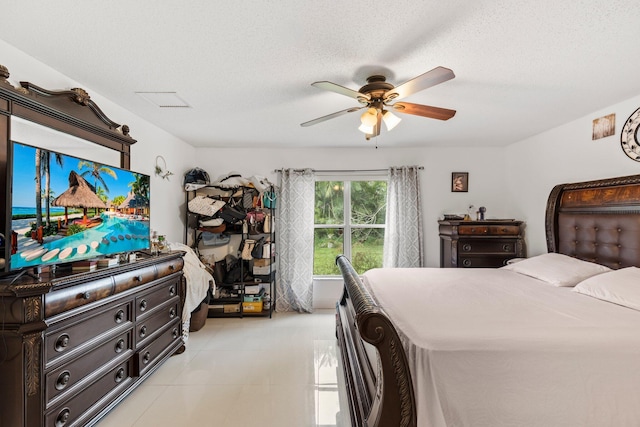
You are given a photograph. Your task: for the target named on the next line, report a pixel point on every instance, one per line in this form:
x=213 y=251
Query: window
x=358 y=234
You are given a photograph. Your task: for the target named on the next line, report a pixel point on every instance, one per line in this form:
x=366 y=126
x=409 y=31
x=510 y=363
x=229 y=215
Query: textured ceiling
x=245 y=67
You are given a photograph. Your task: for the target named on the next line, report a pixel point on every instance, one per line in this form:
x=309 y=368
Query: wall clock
x=629 y=139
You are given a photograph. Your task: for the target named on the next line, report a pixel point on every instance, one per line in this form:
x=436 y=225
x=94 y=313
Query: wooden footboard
x=375 y=366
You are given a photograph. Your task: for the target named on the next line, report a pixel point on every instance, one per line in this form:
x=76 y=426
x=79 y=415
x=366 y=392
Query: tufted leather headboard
x=597 y=221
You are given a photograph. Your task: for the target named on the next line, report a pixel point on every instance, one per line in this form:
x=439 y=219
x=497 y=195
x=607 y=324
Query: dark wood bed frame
x=597 y=221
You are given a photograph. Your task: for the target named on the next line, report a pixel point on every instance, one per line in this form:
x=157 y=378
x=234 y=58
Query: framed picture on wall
x=459 y=182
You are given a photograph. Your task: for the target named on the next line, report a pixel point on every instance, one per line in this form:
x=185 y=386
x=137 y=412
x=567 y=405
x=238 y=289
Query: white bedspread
x=494 y=348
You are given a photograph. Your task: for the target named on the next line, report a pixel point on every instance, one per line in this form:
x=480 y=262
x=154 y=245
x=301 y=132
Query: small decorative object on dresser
x=486 y=243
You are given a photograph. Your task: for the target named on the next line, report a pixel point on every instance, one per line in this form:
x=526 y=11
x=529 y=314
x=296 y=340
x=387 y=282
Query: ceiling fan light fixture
x=369 y=117
x=390 y=119
x=366 y=129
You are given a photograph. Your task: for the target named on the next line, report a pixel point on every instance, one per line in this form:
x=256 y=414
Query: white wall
x=486 y=182
x=166 y=195
x=561 y=155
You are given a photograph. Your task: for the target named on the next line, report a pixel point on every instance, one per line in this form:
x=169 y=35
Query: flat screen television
x=88 y=210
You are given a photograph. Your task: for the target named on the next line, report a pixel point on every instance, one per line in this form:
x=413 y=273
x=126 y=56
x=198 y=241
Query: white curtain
x=403 y=242
x=294 y=285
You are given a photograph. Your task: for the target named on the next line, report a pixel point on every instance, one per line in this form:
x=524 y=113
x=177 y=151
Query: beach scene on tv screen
x=66 y=209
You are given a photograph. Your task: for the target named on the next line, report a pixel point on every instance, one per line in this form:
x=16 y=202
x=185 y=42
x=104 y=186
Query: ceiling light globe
x=369 y=117
x=366 y=129
x=390 y=119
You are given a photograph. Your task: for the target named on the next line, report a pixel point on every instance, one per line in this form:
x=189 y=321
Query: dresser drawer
x=489 y=230
x=66 y=299
x=74 y=333
x=486 y=246
x=82 y=407
x=131 y=279
x=482 y=261
x=169 y=267
x=147 y=328
x=63 y=379
x=148 y=301
x=149 y=355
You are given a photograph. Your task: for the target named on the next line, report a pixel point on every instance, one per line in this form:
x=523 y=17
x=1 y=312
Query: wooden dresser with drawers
x=74 y=345
x=487 y=243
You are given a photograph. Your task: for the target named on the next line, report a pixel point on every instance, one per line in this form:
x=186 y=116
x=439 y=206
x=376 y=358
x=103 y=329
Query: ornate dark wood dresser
x=78 y=344
x=487 y=243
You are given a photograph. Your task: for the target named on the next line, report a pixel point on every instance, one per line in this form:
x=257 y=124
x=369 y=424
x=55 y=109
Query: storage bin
x=252 y=298
x=261 y=262
x=231 y=308
x=258 y=270
x=199 y=317
x=252 y=307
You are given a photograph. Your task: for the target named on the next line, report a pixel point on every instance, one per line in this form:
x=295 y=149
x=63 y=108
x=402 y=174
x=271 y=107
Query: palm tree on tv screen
x=43 y=169
x=96 y=170
x=45 y=166
x=140 y=187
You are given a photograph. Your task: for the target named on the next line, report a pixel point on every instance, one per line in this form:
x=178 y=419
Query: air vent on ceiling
x=164 y=99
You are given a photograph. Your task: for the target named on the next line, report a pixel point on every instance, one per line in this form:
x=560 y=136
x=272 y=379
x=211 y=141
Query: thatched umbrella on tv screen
x=79 y=195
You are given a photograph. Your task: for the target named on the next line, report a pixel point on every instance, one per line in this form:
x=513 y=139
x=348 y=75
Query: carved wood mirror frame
x=69 y=111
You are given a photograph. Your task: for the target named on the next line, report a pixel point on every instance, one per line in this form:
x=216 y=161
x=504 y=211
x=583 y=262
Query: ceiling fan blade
x=330 y=116
x=424 y=110
x=342 y=90
x=424 y=81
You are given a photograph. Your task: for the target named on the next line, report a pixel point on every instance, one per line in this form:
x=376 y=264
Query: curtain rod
x=341 y=170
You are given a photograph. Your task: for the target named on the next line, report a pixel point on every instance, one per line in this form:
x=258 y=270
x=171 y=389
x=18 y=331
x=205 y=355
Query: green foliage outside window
x=368 y=208
x=327 y=245
x=329 y=202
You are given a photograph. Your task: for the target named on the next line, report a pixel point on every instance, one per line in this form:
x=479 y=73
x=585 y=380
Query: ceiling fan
x=376 y=96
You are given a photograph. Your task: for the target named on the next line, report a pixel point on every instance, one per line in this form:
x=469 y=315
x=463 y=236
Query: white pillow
x=619 y=286
x=557 y=269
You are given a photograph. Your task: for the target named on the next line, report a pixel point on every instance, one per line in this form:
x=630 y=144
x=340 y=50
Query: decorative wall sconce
x=161 y=168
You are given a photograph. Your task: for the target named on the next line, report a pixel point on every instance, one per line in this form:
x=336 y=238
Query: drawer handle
x=120 y=346
x=172 y=291
x=63 y=417
x=466 y=247
x=63 y=380
x=466 y=262
x=86 y=295
x=143 y=305
x=119 y=375
x=62 y=342
x=138 y=278
x=473 y=230
x=172 y=313
x=506 y=248
x=174 y=333
x=146 y=358
x=143 y=331
x=119 y=316
x=172 y=267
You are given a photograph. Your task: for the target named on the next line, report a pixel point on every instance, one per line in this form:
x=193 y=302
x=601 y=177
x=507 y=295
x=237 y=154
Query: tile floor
x=246 y=372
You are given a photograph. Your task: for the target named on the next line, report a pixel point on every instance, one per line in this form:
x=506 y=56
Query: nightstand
x=488 y=243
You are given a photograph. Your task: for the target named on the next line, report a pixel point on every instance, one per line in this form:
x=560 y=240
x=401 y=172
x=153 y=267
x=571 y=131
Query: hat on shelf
x=195 y=178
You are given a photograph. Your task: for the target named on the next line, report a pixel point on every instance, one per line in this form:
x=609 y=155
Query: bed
x=547 y=341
